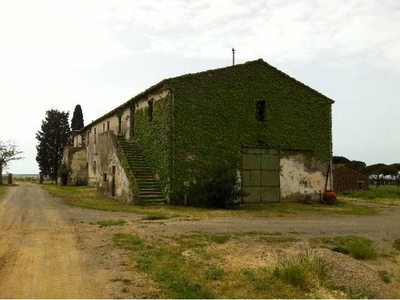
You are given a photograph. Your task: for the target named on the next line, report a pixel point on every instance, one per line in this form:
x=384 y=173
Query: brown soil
x=50 y=250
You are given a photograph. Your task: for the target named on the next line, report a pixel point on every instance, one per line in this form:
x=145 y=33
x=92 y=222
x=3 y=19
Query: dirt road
x=50 y=250
x=40 y=254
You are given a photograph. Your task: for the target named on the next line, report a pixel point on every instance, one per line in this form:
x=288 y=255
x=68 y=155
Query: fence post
x=10 y=178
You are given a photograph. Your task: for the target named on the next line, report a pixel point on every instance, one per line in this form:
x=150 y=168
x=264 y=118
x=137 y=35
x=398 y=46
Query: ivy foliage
x=210 y=116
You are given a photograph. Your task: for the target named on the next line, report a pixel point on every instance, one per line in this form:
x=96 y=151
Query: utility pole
x=233 y=56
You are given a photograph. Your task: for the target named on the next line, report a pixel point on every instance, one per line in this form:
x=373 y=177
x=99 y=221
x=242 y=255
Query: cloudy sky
x=55 y=54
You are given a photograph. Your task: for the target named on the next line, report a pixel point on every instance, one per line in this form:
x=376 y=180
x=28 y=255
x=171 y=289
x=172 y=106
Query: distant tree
x=340 y=160
x=77 y=118
x=8 y=152
x=355 y=164
x=397 y=167
x=358 y=165
x=378 y=171
x=52 y=138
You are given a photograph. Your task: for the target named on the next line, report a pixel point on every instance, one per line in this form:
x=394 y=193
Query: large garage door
x=260 y=175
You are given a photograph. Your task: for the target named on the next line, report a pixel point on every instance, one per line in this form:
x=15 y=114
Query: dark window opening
x=108 y=125
x=119 y=124
x=95 y=135
x=150 y=110
x=261 y=110
x=105 y=177
x=104 y=127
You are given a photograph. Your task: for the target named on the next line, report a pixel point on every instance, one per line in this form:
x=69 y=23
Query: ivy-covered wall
x=214 y=115
x=154 y=138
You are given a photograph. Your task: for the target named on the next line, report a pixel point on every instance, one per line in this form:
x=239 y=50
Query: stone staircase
x=149 y=190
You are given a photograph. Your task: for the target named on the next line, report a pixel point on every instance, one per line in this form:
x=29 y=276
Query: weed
x=214 y=274
x=355 y=293
x=124 y=290
x=361 y=249
x=249 y=274
x=356 y=247
x=107 y=223
x=340 y=249
x=303 y=272
x=384 y=276
x=220 y=238
x=396 y=244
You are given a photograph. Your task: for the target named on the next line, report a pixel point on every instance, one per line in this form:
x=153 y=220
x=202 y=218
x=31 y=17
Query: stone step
x=149 y=189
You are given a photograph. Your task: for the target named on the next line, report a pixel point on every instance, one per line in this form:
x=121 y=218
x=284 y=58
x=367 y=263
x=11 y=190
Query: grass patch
x=154 y=217
x=396 y=244
x=302 y=273
x=356 y=247
x=2 y=190
x=384 y=276
x=384 y=194
x=220 y=238
x=87 y=197
x=106 y=223
x=188 y=266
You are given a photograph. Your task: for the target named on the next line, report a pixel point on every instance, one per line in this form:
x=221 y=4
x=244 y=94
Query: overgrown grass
x=356 y=247
x=106 y=223
x=188 y=267
x=384 y=194
x=87 y=197
x=304 y=272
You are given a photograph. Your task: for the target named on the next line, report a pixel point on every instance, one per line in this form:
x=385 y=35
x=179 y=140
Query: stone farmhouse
x=274 y=130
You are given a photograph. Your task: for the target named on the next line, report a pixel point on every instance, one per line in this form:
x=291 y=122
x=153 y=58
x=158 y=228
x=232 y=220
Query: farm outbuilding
x=347 y=179
x=272 y=129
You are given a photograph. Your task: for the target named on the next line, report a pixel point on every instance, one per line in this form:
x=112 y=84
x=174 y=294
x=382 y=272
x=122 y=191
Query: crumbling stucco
x=301 y=175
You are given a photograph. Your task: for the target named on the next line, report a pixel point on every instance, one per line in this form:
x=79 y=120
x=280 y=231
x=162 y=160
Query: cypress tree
x=77 y=118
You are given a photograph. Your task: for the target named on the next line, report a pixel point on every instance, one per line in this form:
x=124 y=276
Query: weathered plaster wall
x=75 y=160
x=301 y=175
x=107 y=157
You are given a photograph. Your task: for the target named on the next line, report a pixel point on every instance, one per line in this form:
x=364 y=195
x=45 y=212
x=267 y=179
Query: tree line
x=377 y=172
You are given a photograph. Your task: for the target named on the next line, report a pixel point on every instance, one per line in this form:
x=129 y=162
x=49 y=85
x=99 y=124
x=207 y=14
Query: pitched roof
x=257 y=70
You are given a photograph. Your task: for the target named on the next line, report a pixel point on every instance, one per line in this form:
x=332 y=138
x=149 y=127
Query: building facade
x=274 y=130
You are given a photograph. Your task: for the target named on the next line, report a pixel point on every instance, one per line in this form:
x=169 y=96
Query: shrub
x=218 y=188
x=63 y=173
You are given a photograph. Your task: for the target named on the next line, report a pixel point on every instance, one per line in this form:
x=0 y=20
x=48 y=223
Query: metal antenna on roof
x=233 y=56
